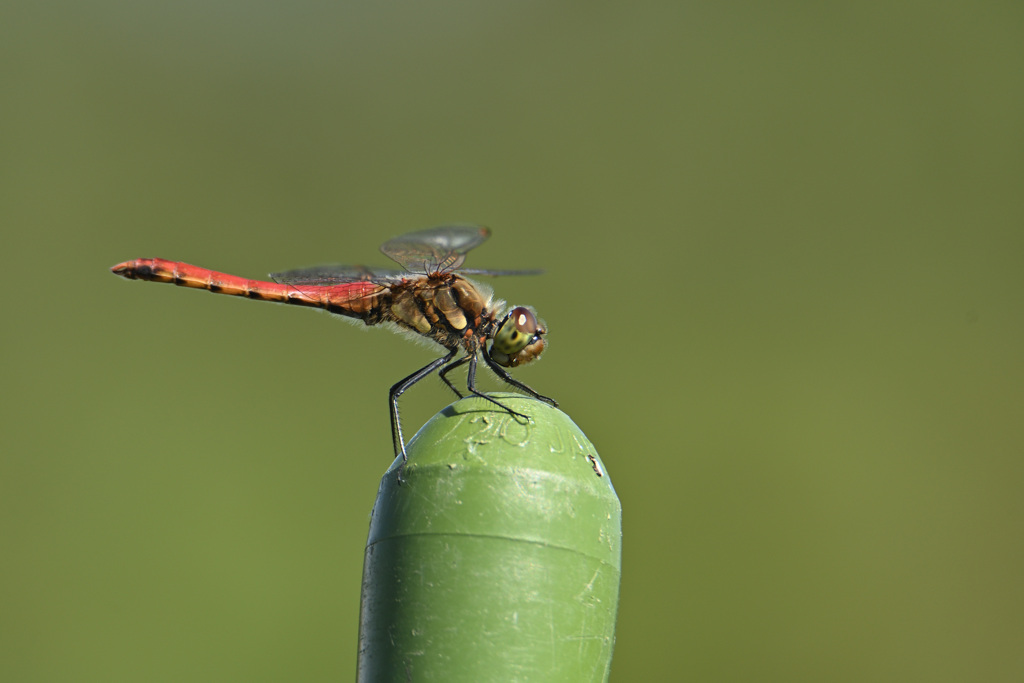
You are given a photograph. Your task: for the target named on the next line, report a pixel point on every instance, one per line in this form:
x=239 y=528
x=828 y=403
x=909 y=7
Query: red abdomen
x=353 y=299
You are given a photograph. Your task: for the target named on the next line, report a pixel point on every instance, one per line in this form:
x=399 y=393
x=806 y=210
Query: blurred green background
x=784 y=289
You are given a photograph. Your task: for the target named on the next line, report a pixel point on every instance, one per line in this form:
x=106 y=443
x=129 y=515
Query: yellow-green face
x=519 y=339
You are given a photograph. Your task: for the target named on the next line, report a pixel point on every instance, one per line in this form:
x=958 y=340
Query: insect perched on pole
x=430 y=298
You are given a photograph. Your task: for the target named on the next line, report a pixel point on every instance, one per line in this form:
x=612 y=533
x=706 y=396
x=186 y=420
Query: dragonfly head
x=519 y=339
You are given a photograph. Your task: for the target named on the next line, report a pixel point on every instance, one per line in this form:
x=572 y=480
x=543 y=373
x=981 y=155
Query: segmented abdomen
x=353 y=299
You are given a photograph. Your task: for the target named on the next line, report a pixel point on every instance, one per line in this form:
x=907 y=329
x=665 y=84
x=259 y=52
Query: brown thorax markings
x=439 y=310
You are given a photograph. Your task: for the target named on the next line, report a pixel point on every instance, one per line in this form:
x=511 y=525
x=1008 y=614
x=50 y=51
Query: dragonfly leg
x=471 y=385
x=503 y=374
x=398 y=389
x=447 y=368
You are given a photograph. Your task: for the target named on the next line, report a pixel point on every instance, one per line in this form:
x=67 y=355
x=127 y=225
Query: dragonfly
x=430 y=297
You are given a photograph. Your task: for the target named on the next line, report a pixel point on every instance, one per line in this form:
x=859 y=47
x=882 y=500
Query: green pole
x=497 y=557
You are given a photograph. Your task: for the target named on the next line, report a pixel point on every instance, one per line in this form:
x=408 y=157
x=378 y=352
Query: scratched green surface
x=497 y=556
x=784 y=292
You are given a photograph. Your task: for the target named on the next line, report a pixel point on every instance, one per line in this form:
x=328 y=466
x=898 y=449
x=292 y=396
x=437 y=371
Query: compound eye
x=516 y=332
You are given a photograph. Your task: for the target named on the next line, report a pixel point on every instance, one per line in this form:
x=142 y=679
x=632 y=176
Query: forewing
x=498 y=273
x=435 y=250
x=326 y=276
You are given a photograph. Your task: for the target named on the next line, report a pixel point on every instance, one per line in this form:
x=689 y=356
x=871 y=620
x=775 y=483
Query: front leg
x=471 y=385
x=503 y=374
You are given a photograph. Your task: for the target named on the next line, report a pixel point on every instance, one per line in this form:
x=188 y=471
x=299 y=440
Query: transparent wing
x=326 y=276
x=497 y=273
x=435 y=250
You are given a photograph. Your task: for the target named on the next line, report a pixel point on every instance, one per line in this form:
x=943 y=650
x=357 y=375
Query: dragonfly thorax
x=447 y=308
